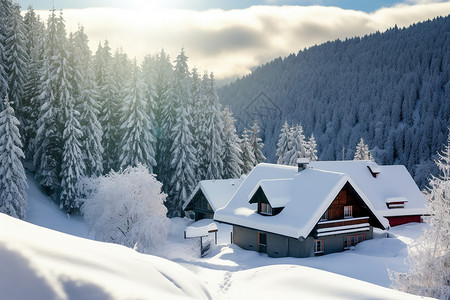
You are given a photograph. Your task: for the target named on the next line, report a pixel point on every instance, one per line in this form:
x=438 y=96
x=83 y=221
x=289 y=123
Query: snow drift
x=52 y=265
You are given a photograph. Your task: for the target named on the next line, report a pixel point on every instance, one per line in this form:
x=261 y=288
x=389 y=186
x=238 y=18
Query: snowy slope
x=43 y=212
x=55 y=265
x=44 y=264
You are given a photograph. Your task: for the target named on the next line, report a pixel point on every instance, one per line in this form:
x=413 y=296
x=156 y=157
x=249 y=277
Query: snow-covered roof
x=277 y=191
x=201 y=228
x=391 y=182
x=306 y=196
x=217 y=192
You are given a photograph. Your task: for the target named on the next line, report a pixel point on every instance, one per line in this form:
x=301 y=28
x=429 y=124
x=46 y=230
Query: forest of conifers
x=391 y=88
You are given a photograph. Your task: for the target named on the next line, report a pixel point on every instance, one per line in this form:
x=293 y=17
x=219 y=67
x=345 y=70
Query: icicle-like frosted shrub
x=127 y=208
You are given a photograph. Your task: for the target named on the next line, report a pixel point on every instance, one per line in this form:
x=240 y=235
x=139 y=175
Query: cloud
x=232 y=42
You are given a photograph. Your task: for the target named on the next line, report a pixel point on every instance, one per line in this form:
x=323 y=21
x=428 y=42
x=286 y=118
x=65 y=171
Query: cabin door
x=262 y=242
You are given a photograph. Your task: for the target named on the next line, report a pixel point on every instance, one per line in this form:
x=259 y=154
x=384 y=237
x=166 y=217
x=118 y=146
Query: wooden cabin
x=301 y=212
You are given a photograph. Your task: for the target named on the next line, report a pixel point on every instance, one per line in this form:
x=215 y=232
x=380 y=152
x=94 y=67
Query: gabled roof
x=217 y=192
x=391 y=182
x=306 y=196
x=277 y=191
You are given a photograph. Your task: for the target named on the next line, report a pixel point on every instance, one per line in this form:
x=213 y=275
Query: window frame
x=268 y=210
x=357 y=238
x=321 y=248
x=324 y=217
x=348 y=209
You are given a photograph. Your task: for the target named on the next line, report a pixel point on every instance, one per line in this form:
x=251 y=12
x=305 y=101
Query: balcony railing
x=342 y=222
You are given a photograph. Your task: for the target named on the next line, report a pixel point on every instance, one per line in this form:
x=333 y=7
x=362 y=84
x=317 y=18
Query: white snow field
x=44 y=264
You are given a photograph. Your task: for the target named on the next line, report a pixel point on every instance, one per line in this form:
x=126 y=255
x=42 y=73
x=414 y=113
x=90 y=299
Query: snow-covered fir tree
x=5 y=7
x=48 y=141
x=16 y=57
x=198 y=105
x=87 y=105
x=147 y=70
x=231 y=153
x=210 y=127
x=109 y=106
x=362 y=151
x=247 y=153
x=13 y=199
x=283 y=145
x=137 y=138
x=62 y=73
x=91 y=141
x=256 y=144
x=164 y=113
x=183 y=155
x=297 y=148
x=73 y=167
x=35 y=34
x=311 y=151
x=429 y=256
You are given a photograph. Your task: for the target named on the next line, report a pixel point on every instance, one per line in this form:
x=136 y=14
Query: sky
x=232 y=37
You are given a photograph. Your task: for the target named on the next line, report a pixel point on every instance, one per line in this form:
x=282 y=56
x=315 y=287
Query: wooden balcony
x=342 y=222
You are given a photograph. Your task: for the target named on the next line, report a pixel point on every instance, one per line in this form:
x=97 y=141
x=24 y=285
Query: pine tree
x=92 y=139
x=16 y=57
x=62 y=73
x=362 y=152
x=13 y=200
x=108 y=97
x=5 y=8
x=231 y=152
x=199 y=115
x=85 y=91
x=48 y=142
x=164 y=114
x=297 y=145
x=147 y=70
x=429 y=256
x=256 y=144
x=137 y=139
x=247 y=154
x=283 y=145
x=73 y=167
x=183 y=155
x=209 y=131
x=35 y=35
x=311 y=149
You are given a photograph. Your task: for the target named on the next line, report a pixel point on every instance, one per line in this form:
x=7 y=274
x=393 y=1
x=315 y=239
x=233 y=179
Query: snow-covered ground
x=51 y=265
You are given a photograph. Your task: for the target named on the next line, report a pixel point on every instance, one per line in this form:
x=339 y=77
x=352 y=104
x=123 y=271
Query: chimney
x=302 y=164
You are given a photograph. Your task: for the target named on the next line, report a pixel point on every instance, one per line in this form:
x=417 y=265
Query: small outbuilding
x=210 y=195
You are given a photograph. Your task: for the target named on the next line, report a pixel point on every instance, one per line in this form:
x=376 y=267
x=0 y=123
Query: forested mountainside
x=391 y=88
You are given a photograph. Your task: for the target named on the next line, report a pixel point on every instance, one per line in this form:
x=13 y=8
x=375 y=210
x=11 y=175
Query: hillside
x=390 y=88
x=52 y=265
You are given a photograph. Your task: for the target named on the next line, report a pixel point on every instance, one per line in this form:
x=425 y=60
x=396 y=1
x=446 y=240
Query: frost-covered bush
x=127 y=207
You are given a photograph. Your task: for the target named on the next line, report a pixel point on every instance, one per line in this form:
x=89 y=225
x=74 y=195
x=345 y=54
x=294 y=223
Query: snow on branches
x=429 y=256
x=127 y=208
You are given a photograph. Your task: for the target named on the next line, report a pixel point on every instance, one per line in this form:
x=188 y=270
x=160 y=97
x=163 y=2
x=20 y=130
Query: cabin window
x=348 y=212
x=265 y=209
x=353 y=240
x=318 y=246
x=324 y=216
x=208 y=207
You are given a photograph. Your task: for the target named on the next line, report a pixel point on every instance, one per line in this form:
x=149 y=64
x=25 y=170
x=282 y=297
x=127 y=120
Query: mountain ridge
x=390 y=88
